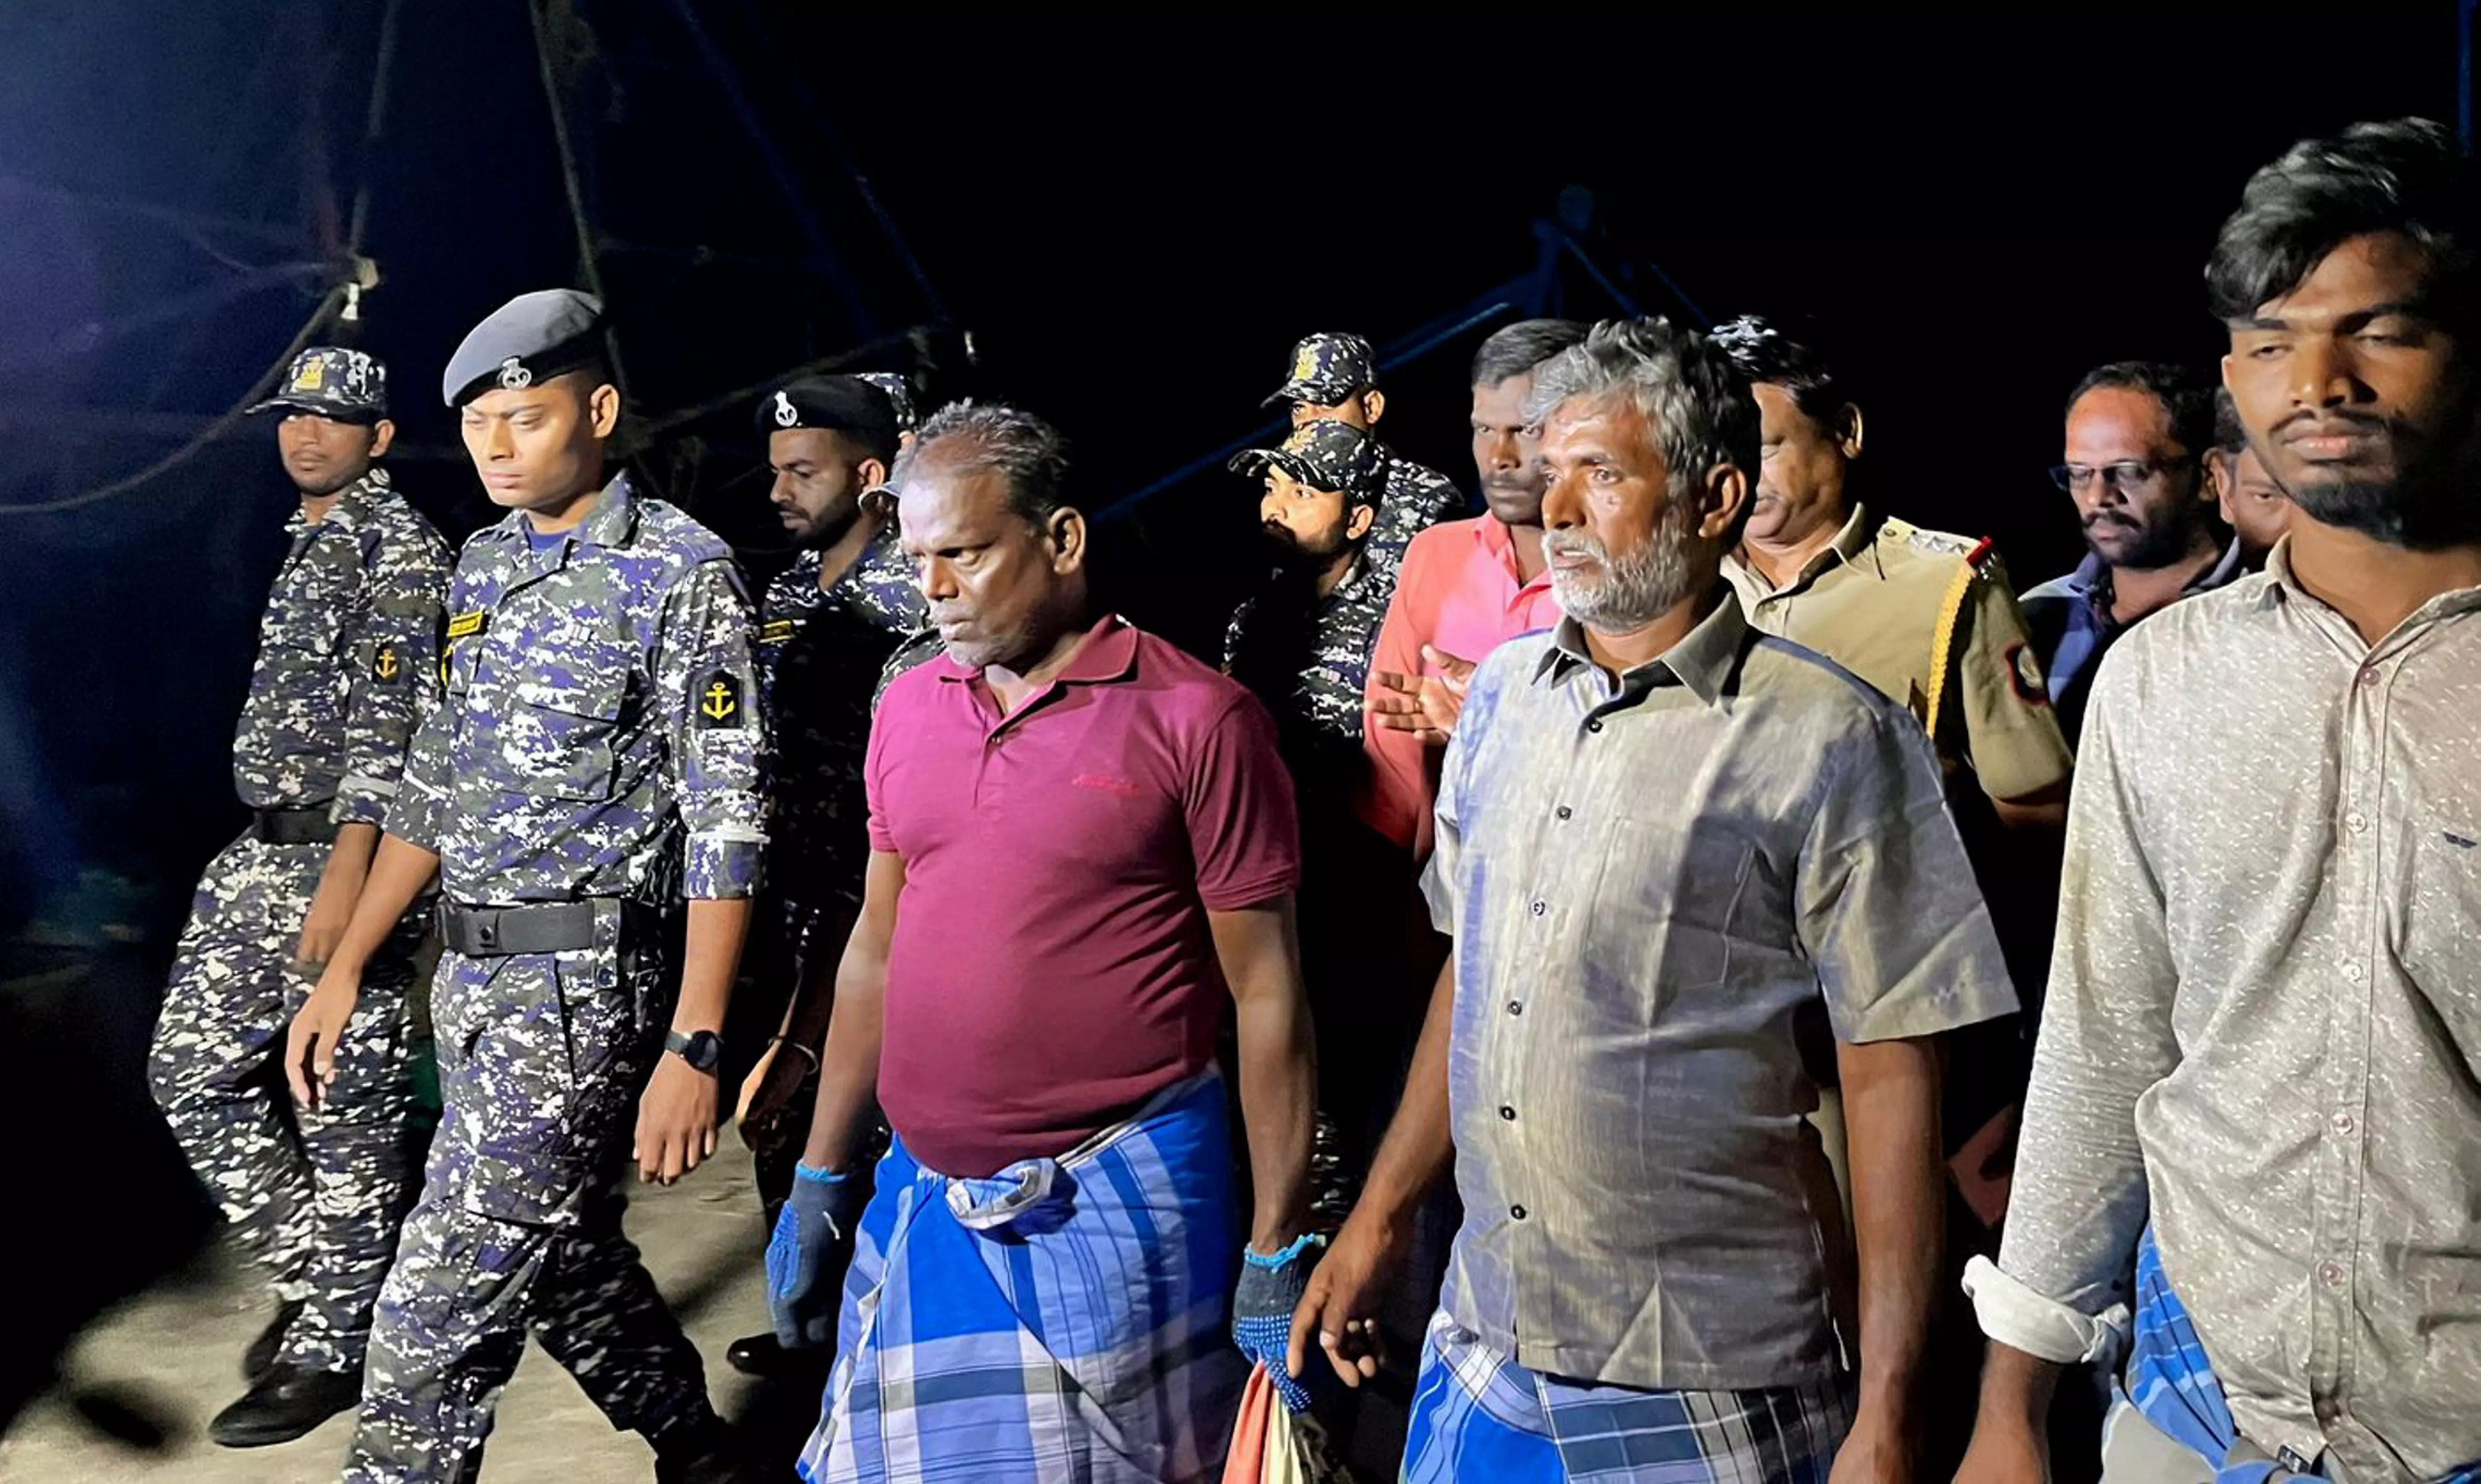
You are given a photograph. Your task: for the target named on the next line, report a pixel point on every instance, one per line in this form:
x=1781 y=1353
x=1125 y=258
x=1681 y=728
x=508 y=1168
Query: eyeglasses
x=2076 y=479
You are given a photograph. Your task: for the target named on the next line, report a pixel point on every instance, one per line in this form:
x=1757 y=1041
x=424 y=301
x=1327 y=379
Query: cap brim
x=331 y=413
x=1290 y=391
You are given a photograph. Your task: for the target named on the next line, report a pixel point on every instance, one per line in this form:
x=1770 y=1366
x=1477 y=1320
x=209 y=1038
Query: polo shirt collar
x=1706 y=659
x=1109 y=654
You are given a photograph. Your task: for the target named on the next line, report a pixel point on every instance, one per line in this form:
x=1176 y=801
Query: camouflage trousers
x=541 y=1060
x=313 y=1196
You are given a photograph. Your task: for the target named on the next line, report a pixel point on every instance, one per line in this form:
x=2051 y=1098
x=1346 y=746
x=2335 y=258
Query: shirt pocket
x=563 y=716
x=1664 y=905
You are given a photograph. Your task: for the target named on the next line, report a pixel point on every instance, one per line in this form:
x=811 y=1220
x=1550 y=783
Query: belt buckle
x=486 y=931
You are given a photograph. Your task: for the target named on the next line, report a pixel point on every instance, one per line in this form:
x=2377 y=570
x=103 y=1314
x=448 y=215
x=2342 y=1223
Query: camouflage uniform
x=821 y=651
x=1326 y=371
x=1308 y=658
x=595 y=746
x=347 y=666
x=1418 y=497
x=919 y=647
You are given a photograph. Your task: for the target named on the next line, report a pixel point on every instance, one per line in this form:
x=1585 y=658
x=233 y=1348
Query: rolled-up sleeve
x=395 y=673
x=706 y=686
x=1887 y=905
x=2080 y=1201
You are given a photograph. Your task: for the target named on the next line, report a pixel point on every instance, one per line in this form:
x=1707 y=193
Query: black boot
x=260 y=1357
x=765 y=1356
x=285 y=1404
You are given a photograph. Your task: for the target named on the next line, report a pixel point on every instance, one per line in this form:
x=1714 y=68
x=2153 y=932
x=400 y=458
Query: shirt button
x=2356 y=821
x=2331 y=1274
x=1540 y=908
x=1507 y=1113
x=1594 y=725
x=2368 y=677
x=1516 y=1007
x=1517 y=1211
x=2351 y=971
x=1563 y=811
x=2343 y=1123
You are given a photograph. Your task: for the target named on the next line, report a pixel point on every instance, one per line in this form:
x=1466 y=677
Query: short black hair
x=2184 y=396
x=2230 y=434
x=1521 y=347
x=2409 y=175
x=1788 y=355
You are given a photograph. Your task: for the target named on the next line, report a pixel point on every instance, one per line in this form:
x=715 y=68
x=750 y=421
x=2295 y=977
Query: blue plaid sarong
x=2172 y=1383
x=1478 y=1417
x=1067 y=1319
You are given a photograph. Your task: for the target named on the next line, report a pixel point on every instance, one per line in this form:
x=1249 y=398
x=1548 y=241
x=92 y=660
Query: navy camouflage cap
x=899 y=395
x=1335 y=458
x=334 y=382
x=1326 y=370
x=532 y=337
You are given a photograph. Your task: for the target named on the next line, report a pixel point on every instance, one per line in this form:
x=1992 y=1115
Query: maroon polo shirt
x=1053 y=967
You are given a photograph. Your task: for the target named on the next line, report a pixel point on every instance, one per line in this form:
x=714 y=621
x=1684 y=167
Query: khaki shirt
x=1873 y=602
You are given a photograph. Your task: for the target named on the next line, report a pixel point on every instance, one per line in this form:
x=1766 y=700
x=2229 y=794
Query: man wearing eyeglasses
x=2137 y=435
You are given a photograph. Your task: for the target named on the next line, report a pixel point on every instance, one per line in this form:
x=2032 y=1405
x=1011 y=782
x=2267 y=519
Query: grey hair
x=1693 y=399
x=1027 y=452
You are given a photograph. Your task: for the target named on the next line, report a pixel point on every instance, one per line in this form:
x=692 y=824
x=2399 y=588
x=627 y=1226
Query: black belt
x=308 y=826
x=496 y=933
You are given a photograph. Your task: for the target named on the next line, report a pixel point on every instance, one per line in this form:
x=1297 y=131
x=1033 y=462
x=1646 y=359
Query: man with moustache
x=2137 y=435
x=2255 y=1075
x=1466 y=585
x=827 y=626
x=1083 y=849
x=347 y=663
x=596 y=760
x=2252 y=504
x=1678 y=857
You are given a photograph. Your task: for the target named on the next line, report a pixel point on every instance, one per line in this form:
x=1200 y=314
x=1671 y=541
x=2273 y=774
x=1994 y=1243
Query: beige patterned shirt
x=2264 y=1019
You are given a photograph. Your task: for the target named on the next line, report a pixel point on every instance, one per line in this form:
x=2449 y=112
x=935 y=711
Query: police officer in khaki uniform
x=1930 y=621
x=1928 y=618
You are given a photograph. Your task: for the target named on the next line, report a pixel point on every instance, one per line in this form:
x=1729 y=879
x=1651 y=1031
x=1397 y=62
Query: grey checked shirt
x=1668 y=894
x=2264 y=1019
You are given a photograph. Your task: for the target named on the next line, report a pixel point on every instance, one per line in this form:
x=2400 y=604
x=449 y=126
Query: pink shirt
x=1458 y=591
x=1053 y=966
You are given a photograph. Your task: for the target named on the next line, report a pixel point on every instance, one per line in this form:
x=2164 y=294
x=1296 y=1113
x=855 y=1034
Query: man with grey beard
x=1644 y=1286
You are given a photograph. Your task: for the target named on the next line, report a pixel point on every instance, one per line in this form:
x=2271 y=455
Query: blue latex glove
x=1262 y=1311
x=801 y=1297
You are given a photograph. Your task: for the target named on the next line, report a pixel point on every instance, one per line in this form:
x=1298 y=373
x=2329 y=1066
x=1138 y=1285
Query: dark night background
x=1133 y=218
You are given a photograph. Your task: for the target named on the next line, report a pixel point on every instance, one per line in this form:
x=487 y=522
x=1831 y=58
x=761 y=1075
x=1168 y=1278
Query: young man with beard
x=827 y=627
x=1466 y=585
x=596 y=760
x=348 y=663
x=1082 y=847
x=2137 y=436
x=2255 y=1075
x=1679 y=858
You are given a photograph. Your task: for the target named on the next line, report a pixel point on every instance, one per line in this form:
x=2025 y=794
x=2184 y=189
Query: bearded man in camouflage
x=347 y=664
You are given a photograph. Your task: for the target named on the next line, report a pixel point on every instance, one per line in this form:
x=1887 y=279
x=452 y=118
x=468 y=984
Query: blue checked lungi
x=1067 y=1319
x=2172 y=1383
x=1478 y=1417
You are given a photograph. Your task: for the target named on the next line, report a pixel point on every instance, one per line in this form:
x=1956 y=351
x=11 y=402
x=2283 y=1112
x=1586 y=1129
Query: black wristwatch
x=700 y=1049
